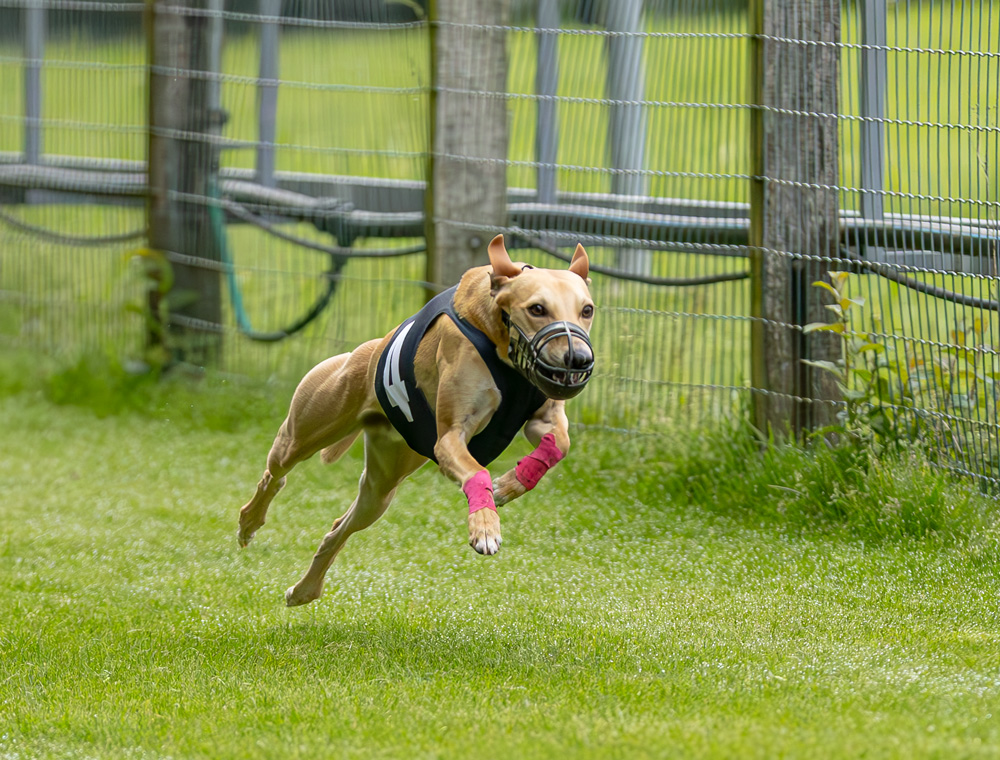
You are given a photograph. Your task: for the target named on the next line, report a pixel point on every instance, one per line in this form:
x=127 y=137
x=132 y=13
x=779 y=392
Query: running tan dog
x=454 y=390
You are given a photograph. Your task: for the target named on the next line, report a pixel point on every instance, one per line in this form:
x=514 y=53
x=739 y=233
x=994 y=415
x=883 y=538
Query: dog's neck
x=475 y=305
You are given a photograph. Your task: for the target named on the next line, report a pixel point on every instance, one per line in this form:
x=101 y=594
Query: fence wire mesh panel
x=920 y=136
x=644 y=107
x=272 y=159
x=322 y=129
x=72 y=97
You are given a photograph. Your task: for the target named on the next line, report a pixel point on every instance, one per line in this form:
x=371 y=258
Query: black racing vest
x=406 y=406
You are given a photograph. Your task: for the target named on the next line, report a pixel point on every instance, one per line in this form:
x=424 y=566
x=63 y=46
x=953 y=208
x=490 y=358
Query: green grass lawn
x=622 y=618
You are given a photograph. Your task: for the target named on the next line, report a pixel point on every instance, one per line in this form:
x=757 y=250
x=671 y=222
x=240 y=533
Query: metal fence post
x=546 y=86
x=182 y=224
x=34 y=53
x=466 y=198
x=267 y=92
x=627 y=119
x=794 y=226
x=873 y=75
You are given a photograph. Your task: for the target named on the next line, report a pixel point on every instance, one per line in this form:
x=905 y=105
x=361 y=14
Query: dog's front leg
x=458 y=464
x=548 y=431
x=456 y=426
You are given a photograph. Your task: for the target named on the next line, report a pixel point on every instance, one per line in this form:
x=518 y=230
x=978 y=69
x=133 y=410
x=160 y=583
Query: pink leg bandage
x=530 y=469
x=479 y=491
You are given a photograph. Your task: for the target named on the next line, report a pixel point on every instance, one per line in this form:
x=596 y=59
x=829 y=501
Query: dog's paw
x=250 y=522
x=243 y=538
x=296 y=596
x=484 y=531
x=506 y=488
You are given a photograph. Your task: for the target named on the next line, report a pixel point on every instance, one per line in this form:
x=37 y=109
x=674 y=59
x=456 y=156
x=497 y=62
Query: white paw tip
x=487 y=546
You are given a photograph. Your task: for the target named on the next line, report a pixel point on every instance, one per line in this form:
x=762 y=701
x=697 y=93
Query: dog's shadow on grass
x=389 y=642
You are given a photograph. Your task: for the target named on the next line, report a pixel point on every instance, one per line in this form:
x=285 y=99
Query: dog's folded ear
x=581 y=263
x=503 y=267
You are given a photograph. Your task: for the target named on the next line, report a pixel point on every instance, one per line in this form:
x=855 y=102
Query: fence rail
x=322 y=149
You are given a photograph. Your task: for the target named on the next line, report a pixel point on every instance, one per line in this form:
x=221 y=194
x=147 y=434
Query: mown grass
x=637 y=609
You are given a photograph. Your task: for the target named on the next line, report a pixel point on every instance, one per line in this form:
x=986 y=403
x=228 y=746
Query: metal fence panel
x=629 y=130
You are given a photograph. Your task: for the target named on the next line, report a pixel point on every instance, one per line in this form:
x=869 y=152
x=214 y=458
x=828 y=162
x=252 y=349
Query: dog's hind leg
x=388 y=461
x=252 y=513
x=282 y=458
x=325 y=413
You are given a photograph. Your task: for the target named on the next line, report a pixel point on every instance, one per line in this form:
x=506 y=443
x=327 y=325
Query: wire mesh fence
x=638 y=128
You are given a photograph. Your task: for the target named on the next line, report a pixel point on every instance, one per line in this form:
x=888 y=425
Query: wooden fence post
x=794 y=226
x=182 y=121
x=466 y=199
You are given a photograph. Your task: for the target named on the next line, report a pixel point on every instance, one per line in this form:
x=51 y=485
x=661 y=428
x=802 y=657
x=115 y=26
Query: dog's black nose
x=578 y=358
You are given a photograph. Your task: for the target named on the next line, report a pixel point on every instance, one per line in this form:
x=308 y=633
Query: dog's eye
x=537 y=310
x=588 y=311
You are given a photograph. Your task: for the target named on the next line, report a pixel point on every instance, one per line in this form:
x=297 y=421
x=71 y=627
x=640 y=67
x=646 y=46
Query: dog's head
x=548 y=313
